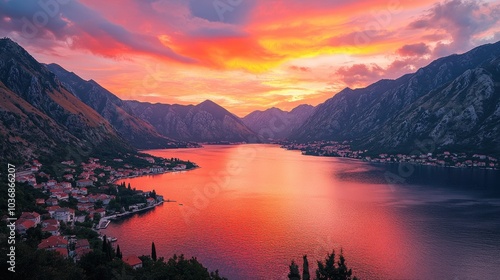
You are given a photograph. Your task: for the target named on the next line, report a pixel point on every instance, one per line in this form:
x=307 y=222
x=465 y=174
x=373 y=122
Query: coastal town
x=85 y=198
x=444 y=159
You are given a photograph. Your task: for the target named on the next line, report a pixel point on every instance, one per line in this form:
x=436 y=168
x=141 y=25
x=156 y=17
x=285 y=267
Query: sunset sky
x=244 y=54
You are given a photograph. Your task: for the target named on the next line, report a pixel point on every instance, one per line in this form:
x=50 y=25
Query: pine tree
x=305 y=270
x=294 y=272
x=153 y=251
x=118 y=252
x=343 y=271
x=327 y=270
x=109 y=251
x=104 y=246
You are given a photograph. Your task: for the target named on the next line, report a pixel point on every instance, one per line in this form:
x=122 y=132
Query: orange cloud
x=259 y=54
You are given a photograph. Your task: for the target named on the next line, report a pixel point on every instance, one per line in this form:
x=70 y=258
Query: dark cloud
x=217 y=32
x=227 y=11
x=32 y=18
x=414 y=50
x=63 y=19
x=461 y=19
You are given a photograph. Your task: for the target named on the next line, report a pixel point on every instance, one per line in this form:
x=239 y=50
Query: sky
x=245 y=55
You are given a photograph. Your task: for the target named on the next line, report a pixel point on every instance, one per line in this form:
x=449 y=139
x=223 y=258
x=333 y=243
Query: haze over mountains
x=454 y=102
x=276 y=124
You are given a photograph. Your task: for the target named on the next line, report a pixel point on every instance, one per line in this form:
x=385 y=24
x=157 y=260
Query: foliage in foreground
x=102 y=263
x=327 y=270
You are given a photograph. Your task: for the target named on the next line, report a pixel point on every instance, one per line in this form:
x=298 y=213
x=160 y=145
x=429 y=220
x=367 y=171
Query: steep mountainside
x=39 y=117
x=134 y=130
x=205 y=122
x=276 y=124
x=453 y=102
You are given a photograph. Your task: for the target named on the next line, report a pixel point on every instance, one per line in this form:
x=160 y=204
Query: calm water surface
x=250 y=209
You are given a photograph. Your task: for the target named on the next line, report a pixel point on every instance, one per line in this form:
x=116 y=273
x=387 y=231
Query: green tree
x=305 y=270
x=42 y=264
x=294 y=271
x=153 y=251
x=329 y=271
x=118 y=252
x=343 y=271
x=104 y=245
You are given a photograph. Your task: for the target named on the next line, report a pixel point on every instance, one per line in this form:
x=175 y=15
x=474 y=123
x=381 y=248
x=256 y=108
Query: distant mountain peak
x=7 y=42
x=205 y=122
x=209 y=102
x=275 y=123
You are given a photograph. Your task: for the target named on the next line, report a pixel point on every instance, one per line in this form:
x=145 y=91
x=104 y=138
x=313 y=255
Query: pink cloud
x=419 y=49
x=300 y=68
x=461 y=19
x=360 y=74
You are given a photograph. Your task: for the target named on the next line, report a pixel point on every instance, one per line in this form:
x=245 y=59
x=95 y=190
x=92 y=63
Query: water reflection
x=251 y=209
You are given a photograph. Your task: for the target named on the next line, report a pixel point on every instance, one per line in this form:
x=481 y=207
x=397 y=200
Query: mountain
x=40 y=118
x=134 y=130
x=453 y=103
x=205 y=122
x=276 y=124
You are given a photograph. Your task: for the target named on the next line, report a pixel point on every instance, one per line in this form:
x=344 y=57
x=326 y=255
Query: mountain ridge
x=365 y=115
x=204 y=122
x=276 y=124
x=40 y=118
x=134 y=130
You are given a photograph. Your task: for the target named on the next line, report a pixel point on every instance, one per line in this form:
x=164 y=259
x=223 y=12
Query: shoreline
x=115 y=217
x=152 y=174
x=403 y=162
x=127 y=214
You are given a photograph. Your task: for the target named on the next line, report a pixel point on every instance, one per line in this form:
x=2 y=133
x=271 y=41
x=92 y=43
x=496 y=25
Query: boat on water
x=180 y=204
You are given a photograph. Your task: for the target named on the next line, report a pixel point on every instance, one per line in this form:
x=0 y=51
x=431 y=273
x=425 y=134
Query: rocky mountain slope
x=453 y=103
x=134 y=130
x=276 y=124
x=205 y=122
x=40 y=118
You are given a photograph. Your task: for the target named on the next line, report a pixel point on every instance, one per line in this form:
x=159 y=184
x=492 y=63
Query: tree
x=97 y=218
x=294 y=272
x=305 y=271
x=328 y=270
x=343 y=271
x=118 y=252
x=104 y=246
x=153 y=251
